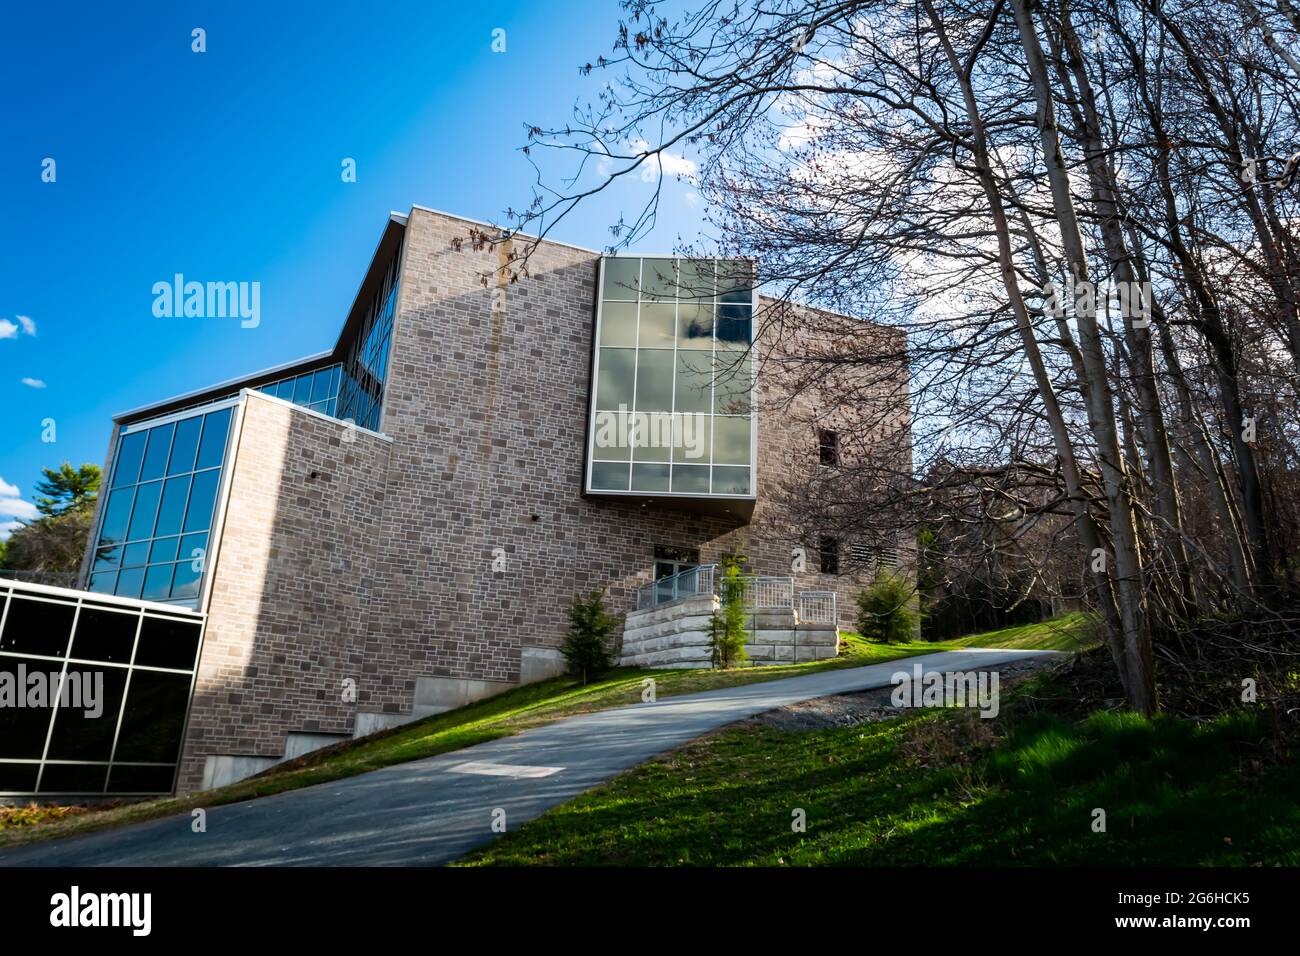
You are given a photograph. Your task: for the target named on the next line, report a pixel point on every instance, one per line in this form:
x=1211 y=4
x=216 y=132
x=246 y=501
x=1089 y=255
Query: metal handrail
x=763 y=592
x=686 y=583
x=770 y=592
x=818 y=607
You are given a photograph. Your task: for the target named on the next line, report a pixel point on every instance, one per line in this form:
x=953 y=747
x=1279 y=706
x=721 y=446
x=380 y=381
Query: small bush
x=586 y=646
x=727 y=631
x=885 y=611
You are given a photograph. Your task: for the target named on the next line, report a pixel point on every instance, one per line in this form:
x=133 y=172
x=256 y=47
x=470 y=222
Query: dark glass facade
x=365 y=369
x=152 y=539
x=93 y=694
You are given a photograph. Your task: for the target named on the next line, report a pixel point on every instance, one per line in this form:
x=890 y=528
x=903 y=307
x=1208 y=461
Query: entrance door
x=671 y=561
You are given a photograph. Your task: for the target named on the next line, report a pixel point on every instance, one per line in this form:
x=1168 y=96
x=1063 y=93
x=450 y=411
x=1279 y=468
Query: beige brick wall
x=291 y=584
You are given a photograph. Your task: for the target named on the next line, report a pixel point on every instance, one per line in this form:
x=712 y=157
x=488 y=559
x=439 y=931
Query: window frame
x=728 y=354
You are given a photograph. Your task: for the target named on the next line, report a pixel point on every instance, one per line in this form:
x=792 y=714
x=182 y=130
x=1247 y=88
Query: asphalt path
x=435 y=810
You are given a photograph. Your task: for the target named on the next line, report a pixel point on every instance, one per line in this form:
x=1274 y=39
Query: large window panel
x=157 y=451
x=216 y=430
x=691 y=438
x=659 y=279
x=734 y=327
x=145 y=511
x=172 y=508
x=654 y=380
x=731 y=440
x=117 y=513
x=650 y=478
x=618 y=326
x=23 y=729
x=622 y=278
x=615 y=381
x=203 y=495
x=37 y=627
x=185 y=444
x=733 y=385
x=673 y=337
x=609 y=476
x=130 y=582
x=154 y=717
x=693 y=391
x=695 y=325
x=658 y=320
x=130 y=453
x=83 y=732
x=73 y=778
x=731 y=481
x=104 y=634
x=691 y=479
x=157 y=582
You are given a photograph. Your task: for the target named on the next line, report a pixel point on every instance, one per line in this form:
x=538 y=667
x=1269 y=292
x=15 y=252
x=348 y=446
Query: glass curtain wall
x=318 y=390
x=673 y=404
x=161 y=499
x=361 y=393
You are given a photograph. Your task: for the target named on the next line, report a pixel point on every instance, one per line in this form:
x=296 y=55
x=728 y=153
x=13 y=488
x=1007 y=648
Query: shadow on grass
x=1175 y=792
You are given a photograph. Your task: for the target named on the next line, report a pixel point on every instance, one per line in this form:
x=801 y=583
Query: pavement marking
x=502 y=769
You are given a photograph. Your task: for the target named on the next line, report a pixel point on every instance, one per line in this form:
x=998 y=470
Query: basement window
x=828 y=446
x=829 y=549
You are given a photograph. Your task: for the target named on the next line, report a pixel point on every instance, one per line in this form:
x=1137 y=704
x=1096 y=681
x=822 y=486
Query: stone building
x=396 y=525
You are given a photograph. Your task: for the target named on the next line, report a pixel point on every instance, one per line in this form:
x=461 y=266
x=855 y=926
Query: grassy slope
x=500 y=716
x=939 y=788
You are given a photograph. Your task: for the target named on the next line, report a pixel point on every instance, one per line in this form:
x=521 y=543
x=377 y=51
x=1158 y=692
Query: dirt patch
x=864 y=707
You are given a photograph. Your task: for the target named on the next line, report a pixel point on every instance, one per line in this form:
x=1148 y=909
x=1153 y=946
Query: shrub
x=885 y=611
x=586 y=646
x=727 y=632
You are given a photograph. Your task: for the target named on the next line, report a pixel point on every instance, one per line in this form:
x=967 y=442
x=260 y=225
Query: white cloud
x=33 y=383
x=12 y=504
x=672 y=164
x=8 y=330
x=26 y=322
x=7 y=528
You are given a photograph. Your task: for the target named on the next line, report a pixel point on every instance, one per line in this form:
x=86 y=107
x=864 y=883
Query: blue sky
x=225 y=165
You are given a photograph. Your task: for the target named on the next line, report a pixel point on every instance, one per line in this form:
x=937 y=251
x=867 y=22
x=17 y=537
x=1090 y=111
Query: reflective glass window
x=130 y=453
x=184 y=446
x=673 y=347
x=157 y=452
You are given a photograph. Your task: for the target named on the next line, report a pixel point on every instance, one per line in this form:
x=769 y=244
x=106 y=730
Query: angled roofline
x=492 y=225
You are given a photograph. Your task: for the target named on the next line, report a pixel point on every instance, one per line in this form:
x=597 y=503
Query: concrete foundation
x=676 y=635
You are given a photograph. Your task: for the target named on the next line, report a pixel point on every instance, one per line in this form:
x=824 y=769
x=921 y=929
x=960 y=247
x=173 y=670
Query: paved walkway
x=435 y=810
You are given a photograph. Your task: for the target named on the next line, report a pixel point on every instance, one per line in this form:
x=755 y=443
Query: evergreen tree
x=587 y=644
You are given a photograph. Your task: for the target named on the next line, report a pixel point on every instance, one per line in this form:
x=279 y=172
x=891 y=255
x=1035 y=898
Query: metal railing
x=687 y=583
x=818 y=607
x=764 y=592
x=769 y=592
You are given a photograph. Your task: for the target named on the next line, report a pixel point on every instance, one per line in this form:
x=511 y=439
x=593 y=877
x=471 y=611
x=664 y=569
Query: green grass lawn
x=500 y=716
x=938 y=788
